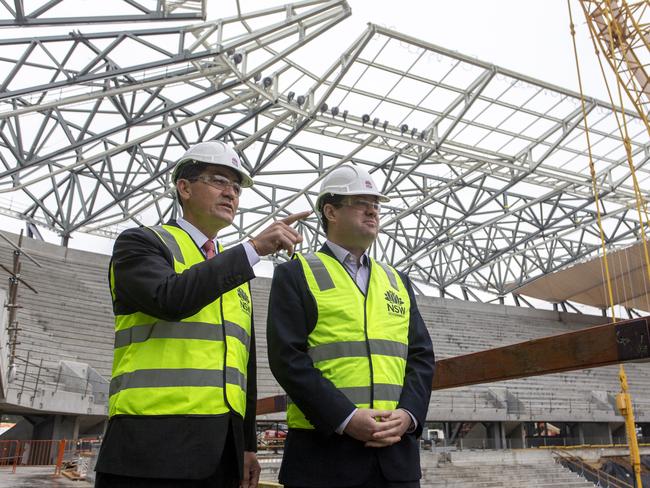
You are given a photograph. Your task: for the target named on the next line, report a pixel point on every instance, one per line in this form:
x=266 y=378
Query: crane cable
x=642 y=209
x=624 y=402
x=592 y=170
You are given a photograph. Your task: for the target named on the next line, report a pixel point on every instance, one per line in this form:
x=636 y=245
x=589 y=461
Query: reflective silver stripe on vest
x=318 y=269
x=383 y=392
x=180 y=330
x=388 y=348
x=389 y=273
x=238 y=332
x=168 y=330
x=336 y=350
x=235 y=377
x=161 y=378
x=170 y=242
x=357 y=394
x=361 y=394
x=388 y=393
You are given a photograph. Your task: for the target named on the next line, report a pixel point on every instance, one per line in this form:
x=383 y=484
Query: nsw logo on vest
x=244 y=301
x=394 y=304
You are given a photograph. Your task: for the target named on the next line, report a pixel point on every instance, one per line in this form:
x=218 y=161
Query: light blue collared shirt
x=200 y=238
x=359 y=270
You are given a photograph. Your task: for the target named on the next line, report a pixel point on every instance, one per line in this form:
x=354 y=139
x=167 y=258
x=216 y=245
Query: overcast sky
x=531 y=37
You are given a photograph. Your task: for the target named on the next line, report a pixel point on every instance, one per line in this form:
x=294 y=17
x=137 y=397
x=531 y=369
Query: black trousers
x=218 y=480
x=226 y=475
x=375 y=480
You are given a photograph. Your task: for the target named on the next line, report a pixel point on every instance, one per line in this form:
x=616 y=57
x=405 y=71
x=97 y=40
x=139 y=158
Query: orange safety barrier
x=9 y=454
x=18 y=453
x=59 y=458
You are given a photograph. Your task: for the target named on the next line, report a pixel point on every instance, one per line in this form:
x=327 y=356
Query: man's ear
x=330 y=212
x=184 y=189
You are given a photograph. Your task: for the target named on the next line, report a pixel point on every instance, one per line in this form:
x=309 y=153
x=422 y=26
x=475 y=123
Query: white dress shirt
x=200 y=238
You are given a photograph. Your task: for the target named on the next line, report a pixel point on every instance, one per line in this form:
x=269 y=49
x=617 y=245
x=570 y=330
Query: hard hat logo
x=235 y=161
x=368 y=184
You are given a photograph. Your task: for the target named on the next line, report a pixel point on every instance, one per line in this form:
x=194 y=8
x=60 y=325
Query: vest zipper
x=365 y=333
x=365 y=325
x=225 y=355
x=225 y=342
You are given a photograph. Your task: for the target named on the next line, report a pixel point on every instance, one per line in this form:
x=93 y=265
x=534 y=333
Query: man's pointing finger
x=295 y=217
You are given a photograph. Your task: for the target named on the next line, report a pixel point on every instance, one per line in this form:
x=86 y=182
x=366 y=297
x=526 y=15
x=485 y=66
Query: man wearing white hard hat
x=348 y=345
x=182 y=394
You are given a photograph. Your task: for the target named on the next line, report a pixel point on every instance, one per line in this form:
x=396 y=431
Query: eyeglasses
x=365 y=205
x=219 y=182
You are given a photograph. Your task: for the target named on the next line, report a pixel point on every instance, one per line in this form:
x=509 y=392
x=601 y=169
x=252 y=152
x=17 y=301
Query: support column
x=596 y=433
x=75 y=429
x=65 y=427
x=517 y=436
x=56 y=427
x=618 y=433
x=495 y=435
x=53 y=427
x=581 y=433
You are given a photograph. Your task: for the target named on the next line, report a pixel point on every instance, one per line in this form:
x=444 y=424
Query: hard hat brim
x=246 y=181
x=382 y=198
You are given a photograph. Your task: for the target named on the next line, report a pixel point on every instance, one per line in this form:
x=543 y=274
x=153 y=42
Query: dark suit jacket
x=174 y=446
x=321 y=457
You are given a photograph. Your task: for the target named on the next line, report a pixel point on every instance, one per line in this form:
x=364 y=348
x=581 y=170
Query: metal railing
x=28 y=377
x=584 y=470
x=483 y=443
x=518 y=405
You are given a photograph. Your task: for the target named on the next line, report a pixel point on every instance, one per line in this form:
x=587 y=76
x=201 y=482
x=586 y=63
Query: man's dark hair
x=332 y=199
x=190 y=171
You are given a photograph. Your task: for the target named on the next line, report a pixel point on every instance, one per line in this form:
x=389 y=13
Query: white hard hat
x=349 y=180
x=213 y=152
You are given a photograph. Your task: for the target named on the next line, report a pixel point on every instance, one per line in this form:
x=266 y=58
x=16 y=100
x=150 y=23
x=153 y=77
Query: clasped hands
x=378 y=428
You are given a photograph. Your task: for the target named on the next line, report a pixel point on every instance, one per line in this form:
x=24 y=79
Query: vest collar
x=326 y=250
x=197 y=236
x=341 y=253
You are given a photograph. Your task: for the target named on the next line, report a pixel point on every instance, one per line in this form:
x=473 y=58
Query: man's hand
x=363 y=423
x=252 y=470
x=393 y=429
x=279 y=235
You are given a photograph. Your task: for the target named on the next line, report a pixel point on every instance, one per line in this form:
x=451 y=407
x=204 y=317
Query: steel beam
x=88 y=136
x=44 y=13
x=593 y=347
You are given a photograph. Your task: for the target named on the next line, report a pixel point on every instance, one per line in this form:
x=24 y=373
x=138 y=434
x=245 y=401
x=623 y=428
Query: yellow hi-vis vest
x=196 y=366
x=360 y=342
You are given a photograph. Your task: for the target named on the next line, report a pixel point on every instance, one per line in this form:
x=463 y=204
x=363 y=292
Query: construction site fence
x=56 y=453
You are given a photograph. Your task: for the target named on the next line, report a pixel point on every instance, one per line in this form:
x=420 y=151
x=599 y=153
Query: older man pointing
x=182 y=393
